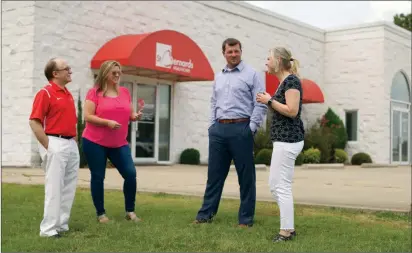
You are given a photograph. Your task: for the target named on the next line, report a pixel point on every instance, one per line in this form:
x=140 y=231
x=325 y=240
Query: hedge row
x=264 y=156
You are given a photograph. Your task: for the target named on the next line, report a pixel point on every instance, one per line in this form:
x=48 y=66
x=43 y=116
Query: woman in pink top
x=107 y=111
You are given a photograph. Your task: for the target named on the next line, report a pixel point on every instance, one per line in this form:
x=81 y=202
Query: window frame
x=351 y=111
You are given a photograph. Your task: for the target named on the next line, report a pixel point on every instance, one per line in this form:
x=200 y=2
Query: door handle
x=135 y=127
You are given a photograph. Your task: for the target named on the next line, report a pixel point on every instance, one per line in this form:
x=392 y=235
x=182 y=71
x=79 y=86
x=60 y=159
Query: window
x=400 y=88
x=351 y=118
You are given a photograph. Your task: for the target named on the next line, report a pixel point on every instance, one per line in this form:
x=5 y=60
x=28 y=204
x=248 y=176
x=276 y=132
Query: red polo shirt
x=54 y=107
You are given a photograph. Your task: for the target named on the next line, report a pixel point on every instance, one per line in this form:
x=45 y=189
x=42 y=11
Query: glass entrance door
x=149 y=138
x=129 y=86
x=164 y=122
x=145 y=141
x=400 y=136
x=405 y=138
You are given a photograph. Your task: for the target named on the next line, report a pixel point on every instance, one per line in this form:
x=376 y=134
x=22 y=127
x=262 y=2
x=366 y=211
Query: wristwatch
x=270 y=102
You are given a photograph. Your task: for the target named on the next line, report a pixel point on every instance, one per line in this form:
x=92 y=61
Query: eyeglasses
x=66 y=69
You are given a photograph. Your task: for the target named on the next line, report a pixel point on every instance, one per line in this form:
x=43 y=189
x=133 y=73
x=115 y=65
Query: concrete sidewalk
x=353 y=187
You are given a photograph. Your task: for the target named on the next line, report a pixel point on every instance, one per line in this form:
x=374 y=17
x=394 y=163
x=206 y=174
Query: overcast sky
x=330 y=14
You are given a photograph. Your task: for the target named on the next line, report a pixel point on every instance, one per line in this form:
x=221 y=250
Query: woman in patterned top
x=287 y=134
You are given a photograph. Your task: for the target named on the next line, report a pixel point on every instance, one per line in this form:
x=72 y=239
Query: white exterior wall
x=76 y=30
x=359 y=66
x=397 y=57
x=343 y=62
x=258 y=33
x=17 y=81
x=354 y=81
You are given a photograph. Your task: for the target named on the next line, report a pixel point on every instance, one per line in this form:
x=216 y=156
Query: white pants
x=61 y=165
x=282 y=167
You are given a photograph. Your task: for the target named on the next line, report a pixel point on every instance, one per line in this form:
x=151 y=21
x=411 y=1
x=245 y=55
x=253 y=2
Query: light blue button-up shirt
x=234 y=95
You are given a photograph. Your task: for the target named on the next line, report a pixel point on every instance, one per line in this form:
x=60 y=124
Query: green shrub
x=331 y=120
x=327 y=135
x=299 y=159
x=311 y=155
x=190 y=156
x=262 y=140
x=341 y=156
x=322 y=139
x=360 y=158
x=263 y=156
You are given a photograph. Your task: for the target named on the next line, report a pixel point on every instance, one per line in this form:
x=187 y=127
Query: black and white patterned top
x=283 y=128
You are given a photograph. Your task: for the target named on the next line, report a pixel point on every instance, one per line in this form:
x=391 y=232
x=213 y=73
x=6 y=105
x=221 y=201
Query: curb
x=323 y=166
x=261 y=167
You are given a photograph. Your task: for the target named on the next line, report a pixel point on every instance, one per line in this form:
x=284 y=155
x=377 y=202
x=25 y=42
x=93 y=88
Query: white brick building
x=359 y=69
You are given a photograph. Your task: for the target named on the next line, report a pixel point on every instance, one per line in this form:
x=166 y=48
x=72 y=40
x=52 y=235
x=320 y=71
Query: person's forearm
x=132 y=111
x=283 y=109
x=259 y=110
x=212 y=115
x=212 y=118
x=38 y=131
x=93 y=119
x=257 y=117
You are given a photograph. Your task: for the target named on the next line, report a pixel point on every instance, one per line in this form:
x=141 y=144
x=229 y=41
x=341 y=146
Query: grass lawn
x=167 y=227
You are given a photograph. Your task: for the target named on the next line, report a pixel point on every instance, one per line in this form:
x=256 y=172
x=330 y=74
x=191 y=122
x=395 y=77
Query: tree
x=332 y=121
x=404 y=21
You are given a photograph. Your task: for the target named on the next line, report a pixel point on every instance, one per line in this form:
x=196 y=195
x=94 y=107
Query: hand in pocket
x=46 y=143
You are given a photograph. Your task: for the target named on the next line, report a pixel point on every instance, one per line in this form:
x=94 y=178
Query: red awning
x=311 y=91
x=163 y=54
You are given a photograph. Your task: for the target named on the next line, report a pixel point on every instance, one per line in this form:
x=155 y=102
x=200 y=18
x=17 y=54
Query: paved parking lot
x=370 y=188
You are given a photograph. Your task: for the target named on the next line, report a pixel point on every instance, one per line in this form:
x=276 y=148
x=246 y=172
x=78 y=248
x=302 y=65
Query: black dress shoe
x=202 y=221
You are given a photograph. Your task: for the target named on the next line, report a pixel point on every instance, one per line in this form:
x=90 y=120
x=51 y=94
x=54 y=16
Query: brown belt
x=230 y=121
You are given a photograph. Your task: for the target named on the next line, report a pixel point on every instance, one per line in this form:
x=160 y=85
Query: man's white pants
x=61 y=165
x=282 y=168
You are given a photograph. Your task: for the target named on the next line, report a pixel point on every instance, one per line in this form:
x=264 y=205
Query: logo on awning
x=164 y=59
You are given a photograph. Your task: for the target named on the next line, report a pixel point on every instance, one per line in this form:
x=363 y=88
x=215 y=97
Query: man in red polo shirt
x=53 y=121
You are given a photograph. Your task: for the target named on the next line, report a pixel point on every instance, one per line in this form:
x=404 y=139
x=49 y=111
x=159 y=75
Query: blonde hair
x=286 y=61
x=104 y=71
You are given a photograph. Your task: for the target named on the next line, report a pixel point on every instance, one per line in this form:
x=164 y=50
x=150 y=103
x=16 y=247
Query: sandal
x=103 y=218
x=281 y=238
x=131 y=216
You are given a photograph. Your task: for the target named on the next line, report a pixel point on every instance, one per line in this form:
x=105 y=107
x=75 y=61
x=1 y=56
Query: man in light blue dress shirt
x=235 y=118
